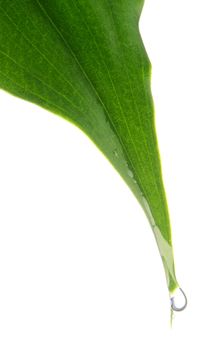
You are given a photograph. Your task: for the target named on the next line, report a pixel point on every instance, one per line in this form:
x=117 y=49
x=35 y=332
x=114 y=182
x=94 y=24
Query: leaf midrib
x=93 y=87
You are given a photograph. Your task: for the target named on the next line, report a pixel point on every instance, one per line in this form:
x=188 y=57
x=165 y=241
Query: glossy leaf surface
x=85 y=61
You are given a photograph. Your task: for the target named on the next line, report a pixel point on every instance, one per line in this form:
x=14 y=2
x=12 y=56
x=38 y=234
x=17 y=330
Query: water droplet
x=115 y=153
x=178 y=300
x=130 y=173
x=148 y=211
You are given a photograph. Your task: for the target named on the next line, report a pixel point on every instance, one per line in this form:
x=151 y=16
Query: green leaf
x=85 y=61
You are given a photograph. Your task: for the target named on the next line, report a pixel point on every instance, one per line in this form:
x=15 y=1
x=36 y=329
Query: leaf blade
x=87 y=62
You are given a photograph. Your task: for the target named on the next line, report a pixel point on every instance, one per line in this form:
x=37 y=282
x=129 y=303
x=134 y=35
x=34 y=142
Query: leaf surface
x=85 y=61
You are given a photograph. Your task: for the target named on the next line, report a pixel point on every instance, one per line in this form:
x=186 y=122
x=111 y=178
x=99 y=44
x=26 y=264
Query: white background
x=79 y=267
